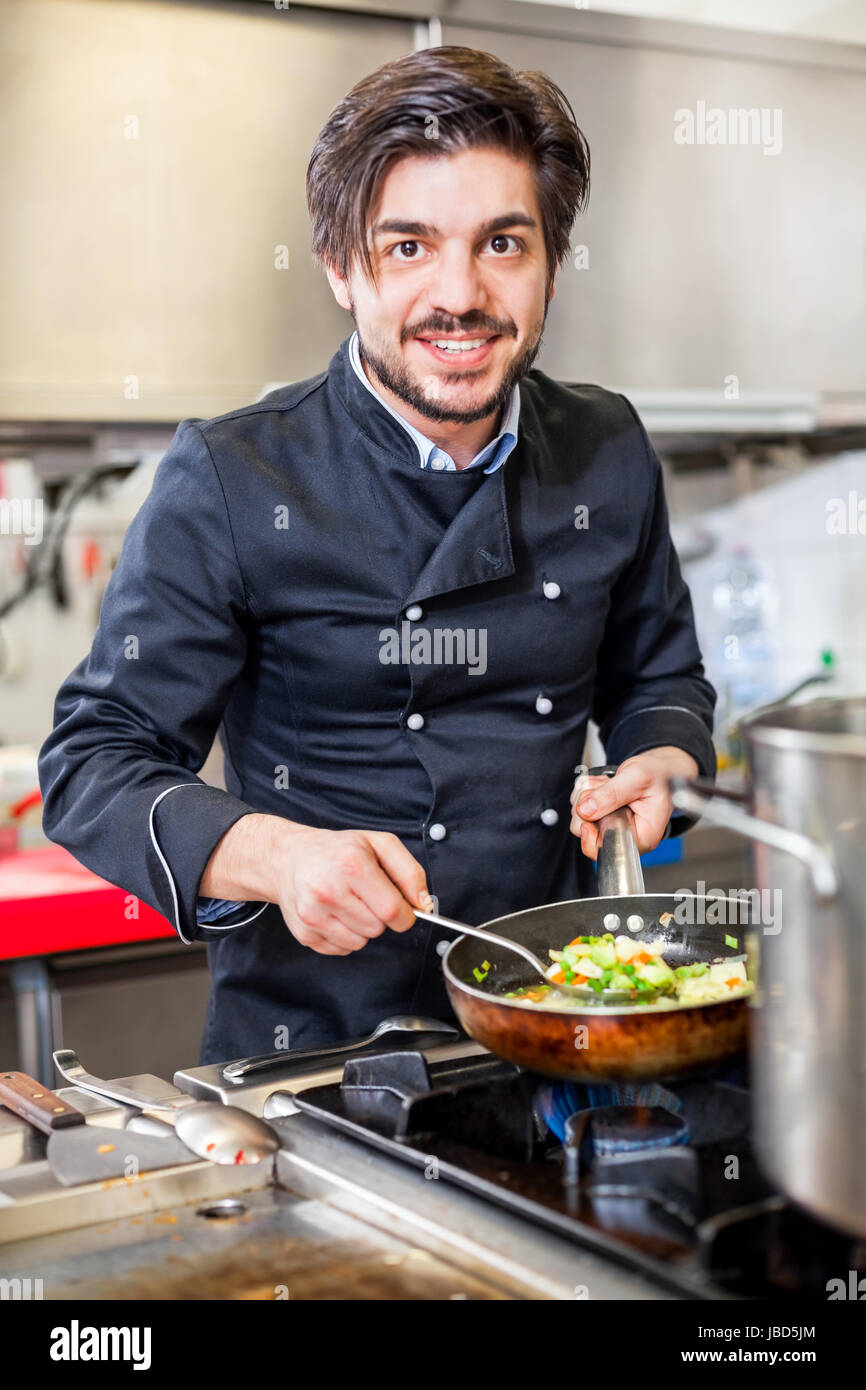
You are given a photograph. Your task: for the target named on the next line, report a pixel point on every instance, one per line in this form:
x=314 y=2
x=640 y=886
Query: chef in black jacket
x=397 y=589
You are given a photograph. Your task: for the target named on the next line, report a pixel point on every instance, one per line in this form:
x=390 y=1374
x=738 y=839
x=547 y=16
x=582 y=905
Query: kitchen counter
x=327 y=1219
x=332 y=1222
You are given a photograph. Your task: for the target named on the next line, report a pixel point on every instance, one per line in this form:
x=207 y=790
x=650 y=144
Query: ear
x=339 y=286
x=553 y=285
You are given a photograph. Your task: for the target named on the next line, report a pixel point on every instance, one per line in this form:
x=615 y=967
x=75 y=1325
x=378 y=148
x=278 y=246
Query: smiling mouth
x=467 y=348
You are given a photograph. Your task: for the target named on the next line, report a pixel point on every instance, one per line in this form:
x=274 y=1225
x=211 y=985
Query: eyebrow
x=422 y=229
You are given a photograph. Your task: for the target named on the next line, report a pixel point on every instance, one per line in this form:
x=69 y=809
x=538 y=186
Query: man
x=399 y=589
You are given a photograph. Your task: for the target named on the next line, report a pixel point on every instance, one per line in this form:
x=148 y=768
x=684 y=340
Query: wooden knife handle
x=38 y=1104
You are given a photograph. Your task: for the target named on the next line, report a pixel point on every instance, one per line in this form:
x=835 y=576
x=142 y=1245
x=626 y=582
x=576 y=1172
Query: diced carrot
x=644 y=957
x=558 y=978
x=581 y=979
x=735 y=981
x=576 y=942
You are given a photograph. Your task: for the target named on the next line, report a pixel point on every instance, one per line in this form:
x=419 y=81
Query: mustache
x=429 y=329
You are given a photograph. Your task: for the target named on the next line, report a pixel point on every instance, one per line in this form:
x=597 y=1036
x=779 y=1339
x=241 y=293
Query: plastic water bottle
x=743 y=603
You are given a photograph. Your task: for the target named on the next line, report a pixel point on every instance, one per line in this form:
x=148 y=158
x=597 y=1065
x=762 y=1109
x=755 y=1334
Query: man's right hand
x=336 y=889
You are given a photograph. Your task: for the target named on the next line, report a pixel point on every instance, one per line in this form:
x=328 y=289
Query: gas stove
x=661 y=1179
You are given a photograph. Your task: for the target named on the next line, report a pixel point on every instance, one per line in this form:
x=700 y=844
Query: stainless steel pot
x=806 y=774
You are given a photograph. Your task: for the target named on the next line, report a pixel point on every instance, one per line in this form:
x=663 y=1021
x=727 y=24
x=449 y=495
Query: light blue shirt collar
x=493 y=455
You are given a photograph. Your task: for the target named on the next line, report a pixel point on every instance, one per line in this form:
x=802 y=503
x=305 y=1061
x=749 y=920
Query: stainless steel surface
x=33 y=1203
x=237 y=1072
x=90 y=1154
x=218 y=1133
x=270 y=1094
x=275 y=1245
x=305 y=61
x=321 y=1163
x=807 y=773
x=185 y=63
x=19 y=1143
x=601 y=61
x=329 y=1220
x=80 y=1151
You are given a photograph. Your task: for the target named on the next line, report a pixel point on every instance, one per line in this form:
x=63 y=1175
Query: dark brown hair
x=463 y=98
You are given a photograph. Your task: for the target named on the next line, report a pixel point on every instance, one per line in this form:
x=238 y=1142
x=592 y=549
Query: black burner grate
x=661 y=1178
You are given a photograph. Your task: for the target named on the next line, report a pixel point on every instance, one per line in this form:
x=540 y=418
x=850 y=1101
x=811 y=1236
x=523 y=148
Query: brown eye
x=516 y=245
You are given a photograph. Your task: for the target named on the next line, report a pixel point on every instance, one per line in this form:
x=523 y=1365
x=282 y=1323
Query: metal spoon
x=581 y=992
x=221 y=1133
x=236 y=1072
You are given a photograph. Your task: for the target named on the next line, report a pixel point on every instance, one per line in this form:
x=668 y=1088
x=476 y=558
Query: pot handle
x=694 y=797
x=619 y=871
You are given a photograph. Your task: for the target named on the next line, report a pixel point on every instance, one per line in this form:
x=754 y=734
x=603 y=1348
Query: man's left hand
x=640 y=782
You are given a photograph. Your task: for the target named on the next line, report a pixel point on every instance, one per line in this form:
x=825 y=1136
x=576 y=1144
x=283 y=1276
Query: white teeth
x=466 y=346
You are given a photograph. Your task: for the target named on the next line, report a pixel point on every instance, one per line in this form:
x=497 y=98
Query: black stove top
x=660 y=1177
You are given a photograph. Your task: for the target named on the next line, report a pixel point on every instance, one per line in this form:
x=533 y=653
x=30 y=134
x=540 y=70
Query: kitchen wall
x=806 y=538
x=155 y=261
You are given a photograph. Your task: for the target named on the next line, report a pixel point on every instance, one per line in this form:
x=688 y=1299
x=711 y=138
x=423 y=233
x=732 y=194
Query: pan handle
x=620 y=874
x=693 y=797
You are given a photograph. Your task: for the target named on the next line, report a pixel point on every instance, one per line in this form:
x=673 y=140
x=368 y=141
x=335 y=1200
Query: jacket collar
x=494 y=453
x=476 y=547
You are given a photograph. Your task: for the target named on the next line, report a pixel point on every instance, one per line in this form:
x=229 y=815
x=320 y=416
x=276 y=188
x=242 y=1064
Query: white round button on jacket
x=543 y=704
x=551 y=589
x=437 y=831
x=414 y=612
x=549 y=816
x=415 y=721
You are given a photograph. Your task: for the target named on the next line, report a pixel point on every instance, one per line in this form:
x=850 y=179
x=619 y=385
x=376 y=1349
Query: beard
x=393 y=373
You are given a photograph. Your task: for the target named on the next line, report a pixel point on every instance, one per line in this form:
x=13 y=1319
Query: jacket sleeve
x=650 y=684
x=136 y=719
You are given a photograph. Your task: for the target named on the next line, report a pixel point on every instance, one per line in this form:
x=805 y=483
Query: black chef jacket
x=262 y=593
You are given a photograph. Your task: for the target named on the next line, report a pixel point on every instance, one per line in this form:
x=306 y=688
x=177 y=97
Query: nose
x=457 y=285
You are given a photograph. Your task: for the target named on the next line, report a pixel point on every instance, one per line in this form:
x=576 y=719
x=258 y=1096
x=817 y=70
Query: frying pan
x=600 y=1043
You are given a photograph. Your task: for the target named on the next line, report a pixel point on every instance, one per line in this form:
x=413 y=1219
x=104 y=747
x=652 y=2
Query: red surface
x=50 y=903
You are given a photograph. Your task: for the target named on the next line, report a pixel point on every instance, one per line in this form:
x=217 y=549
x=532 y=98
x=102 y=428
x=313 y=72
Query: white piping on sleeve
x=171 y=883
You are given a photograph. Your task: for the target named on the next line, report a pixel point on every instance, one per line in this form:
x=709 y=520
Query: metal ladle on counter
x=221 y=1133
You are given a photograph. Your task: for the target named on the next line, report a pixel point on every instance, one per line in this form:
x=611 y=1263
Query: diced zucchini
x=657 y=975
x=604 y=954
x=687 y=972
x=620 y=981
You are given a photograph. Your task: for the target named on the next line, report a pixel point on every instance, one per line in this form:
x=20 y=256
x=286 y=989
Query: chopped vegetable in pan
x=621 y=963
